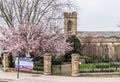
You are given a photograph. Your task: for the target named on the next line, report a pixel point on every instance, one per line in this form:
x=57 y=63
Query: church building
x=101 y=43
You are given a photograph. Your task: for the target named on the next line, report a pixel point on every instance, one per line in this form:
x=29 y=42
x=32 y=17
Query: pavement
x=27 y=77
x=0 y=67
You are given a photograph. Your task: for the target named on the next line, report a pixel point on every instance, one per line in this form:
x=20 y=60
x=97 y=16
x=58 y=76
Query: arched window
x=106 y=51
x=69 y=24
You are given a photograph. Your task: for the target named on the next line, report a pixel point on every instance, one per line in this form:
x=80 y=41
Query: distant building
x=106 y=44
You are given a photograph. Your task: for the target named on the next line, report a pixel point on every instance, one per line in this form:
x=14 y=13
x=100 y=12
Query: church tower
x=70 y=23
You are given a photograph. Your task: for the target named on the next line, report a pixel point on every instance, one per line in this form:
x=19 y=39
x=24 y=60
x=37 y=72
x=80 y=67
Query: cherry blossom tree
x=30 y=38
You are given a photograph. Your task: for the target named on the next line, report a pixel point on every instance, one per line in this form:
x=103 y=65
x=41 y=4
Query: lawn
x=89 y=66
x=94 y=65
x=99 y=67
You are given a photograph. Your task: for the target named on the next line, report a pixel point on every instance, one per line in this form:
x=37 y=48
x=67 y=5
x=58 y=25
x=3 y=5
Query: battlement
x=70 y=14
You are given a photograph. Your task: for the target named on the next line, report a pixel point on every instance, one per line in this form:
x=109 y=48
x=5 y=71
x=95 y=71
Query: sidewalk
x=26 y=77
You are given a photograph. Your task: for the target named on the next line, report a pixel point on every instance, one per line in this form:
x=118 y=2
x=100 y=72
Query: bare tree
x=34 y=11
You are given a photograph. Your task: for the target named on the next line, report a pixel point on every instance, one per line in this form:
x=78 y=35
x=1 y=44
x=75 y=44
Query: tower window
x=69 y=24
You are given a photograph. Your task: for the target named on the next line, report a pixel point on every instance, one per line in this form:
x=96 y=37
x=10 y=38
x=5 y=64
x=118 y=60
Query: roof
x=99 y=33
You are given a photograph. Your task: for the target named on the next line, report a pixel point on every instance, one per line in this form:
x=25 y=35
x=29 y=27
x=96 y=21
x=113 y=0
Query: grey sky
x=98 y=15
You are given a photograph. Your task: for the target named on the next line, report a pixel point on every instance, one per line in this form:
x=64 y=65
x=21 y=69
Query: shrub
x=86 y=58
x=102 y=65
x=38 y=65
x=38 y=68
x=114 y=64
x=87 y=66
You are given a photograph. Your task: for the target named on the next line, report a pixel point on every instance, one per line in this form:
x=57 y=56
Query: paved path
x=0 y=67
x=25 y=77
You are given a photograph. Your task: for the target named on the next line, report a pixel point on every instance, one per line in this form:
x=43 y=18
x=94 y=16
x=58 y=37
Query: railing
x=100 y=67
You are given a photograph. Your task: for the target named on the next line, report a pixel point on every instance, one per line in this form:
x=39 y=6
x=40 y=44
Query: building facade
x=105 y=44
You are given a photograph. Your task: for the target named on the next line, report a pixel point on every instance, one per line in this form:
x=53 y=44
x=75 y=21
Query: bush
x=38 y=60
x=38 y=68
x=56 y=62
x=86 y=58
x=102 y=65
x=38 y=64
x=87 y=66
x=115 y=64
x=105 y=59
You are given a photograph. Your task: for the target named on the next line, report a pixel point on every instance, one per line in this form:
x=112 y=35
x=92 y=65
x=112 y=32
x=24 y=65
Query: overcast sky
x=98 y=15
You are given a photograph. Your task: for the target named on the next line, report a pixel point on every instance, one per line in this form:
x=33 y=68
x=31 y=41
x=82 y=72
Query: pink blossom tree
x=29 y=38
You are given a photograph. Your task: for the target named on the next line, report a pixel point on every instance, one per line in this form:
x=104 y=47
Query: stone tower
x=70 y=23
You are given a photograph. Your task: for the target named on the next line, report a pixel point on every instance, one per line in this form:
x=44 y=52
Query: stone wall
x=110 y=49
x=47 y=64
x=73 y=18
x=109 y=46
x=5 y=61
x=75 y=64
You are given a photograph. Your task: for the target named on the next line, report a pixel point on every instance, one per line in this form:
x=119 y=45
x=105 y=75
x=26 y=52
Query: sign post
x=23 y=63
x=18 y=66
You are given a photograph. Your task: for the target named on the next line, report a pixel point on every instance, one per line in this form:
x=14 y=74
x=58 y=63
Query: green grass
x=88 y=66
x=116 y=70
x=96 y=65
x=102 y=65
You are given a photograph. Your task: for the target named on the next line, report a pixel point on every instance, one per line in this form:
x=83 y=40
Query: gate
x=60 y=67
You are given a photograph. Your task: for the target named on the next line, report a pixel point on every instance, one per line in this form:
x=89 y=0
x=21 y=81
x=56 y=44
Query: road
x=27 y=77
